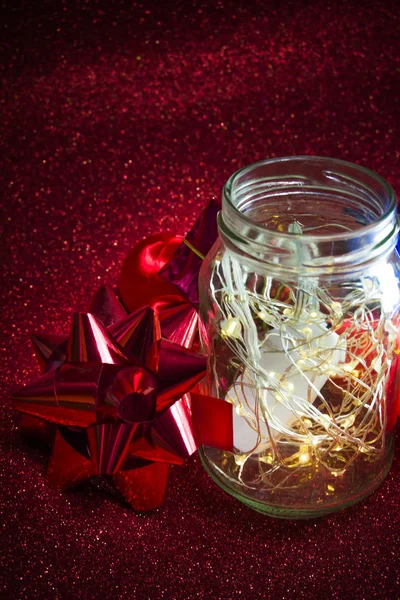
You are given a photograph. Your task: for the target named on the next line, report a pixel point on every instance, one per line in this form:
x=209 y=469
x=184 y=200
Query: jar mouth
x=283 y=177
x=310 y=211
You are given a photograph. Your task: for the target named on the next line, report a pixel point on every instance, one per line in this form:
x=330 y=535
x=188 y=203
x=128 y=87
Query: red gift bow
x=119 y=398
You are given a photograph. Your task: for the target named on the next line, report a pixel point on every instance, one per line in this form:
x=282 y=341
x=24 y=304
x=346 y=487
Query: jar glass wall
x=299 y=302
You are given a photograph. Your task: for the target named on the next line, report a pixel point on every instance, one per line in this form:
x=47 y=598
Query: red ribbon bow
x=117 y=390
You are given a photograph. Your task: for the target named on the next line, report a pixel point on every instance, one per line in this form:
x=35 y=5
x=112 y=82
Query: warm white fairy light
x=283 y=401
x=231 y=327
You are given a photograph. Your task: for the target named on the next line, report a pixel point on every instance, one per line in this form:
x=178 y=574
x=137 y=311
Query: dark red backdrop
x=121 y=119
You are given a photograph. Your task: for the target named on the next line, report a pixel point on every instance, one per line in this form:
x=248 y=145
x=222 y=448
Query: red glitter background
x=121 y=119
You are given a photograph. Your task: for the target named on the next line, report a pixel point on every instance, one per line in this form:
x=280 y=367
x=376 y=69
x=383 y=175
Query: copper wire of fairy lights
x=250 y=319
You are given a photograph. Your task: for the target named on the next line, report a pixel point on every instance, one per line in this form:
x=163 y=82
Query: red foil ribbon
x=182 y=270
x=139 y=283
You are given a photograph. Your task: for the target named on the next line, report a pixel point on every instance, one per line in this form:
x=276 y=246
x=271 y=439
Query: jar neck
x=309 y=214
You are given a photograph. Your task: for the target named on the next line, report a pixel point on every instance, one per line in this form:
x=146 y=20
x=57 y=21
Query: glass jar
x=299 y=302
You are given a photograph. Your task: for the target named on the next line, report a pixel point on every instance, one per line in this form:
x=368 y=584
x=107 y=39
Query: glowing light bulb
x=268 y=459
x=231 y=327
x=337 y=308
x=304 y=456
x=240 y=459
x=307 y=332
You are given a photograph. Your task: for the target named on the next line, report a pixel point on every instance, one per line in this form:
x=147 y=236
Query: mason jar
x=299 y=303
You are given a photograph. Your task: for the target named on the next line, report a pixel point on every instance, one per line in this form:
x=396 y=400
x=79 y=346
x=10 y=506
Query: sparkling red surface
x=122 y=119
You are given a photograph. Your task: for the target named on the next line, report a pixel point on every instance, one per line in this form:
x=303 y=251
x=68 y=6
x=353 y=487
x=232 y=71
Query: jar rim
x=311 y=237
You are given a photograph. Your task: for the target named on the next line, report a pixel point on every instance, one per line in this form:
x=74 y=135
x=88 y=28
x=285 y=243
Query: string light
x=231 y=327
x=304 y=456
x=345 y=345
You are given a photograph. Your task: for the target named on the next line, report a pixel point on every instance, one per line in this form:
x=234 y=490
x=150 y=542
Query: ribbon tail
x=212 y=421
x=67 y=467
x=144 y=488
